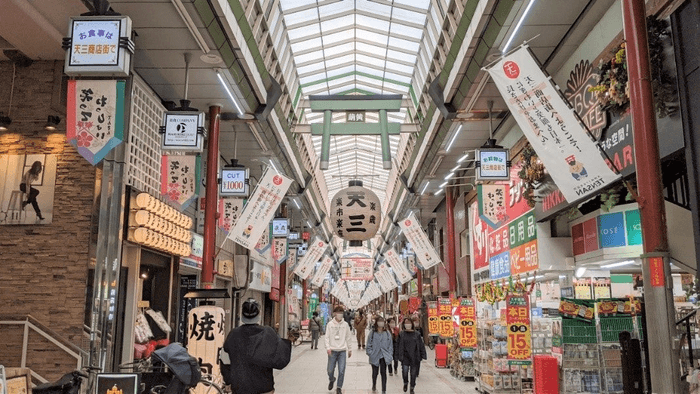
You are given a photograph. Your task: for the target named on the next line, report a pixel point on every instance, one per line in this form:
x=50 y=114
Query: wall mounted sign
x=183 y=131
x=355 y=213
x=492 y=164
x=425 y=252
x=608 y=235
x=178 y=179
x=98 y=46
x=234 y=182
x=95 y=117
x=280 y=227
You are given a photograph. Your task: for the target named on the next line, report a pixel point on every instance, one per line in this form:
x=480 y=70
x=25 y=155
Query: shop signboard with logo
x=260 y=277
x=423 y=248
x=519 y=333
x=615 y=234
x=183 y=131
x=99 y=46
x=467 y=324
x=234 y=182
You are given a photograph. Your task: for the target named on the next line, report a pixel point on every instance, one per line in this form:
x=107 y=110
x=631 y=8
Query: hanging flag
x=178 y=179
x=263 y=249
x=425 y=252
x=260 y=209
x=550 y=125
x=280 y=250
x=230 y=209
x=308 y=262
x=95 y=117
x=321 y=272
x=398 y=266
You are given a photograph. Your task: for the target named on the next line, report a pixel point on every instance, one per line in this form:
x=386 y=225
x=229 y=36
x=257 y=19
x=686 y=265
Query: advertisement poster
x=433 y=318
x=425 y=252
x=569 y=155
x=397 y=264
x=321 y=272
x=178 y=179
x=445 y=313
x=357 y=268
x=260 y=209
x=229 y=209
x=519 y=333
x=467 y=323
x=27 y=185
x=307 y=264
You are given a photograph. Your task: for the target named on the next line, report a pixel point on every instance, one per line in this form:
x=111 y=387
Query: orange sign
x=445 y=313
x=433 y=318
x=656 y=265
x=523 y=258
x=467 y=323
x=519 y=334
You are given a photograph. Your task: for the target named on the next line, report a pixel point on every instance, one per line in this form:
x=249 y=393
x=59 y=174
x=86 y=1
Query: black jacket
x=411 y=348
x=254 y=351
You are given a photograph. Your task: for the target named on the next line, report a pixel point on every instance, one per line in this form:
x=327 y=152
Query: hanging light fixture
x=5 y=121
x=51 y=123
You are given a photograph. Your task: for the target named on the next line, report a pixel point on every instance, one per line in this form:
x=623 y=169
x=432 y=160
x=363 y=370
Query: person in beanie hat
x=251 y=352
x=337 y=340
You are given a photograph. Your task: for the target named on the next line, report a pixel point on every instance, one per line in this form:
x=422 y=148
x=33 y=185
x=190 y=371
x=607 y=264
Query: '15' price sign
x=433 y=318
x=467 y=323
x=445 y=312
x=518 y=324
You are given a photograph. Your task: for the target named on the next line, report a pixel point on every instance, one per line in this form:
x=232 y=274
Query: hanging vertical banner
x=519 y=334
x=95 y=117
x=425 y=252
x=412 y=267
x=205 y=338
x=322 y=270
x=229 y=209
x=260 y=209
x=262 y=250
x=467 y=323
x=433 y=318
x=316 y=249
x=568 y=153
x=280 y=250
x=445 y=313
x=492 y=204
x=386 y=278
x=178 y=178
x=398 y=266
x=275 y=291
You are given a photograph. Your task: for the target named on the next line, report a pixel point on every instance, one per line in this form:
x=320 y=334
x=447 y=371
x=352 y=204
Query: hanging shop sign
x=225 y=268
x=583 y=288
x=602 y=288
x=234 y=182
x=605 y=236
x=492 y=164
x=355 y=213
x=205 y=338
x=280 y=250
x=321 y=271
x=519 y=333
x=412 y=266
x=182 y=131
x=467 y=323
x=98 y=46
x=398 y=266
x=433 y=318
x=492 y=204
x=178 y=179
x=260 y=277
x=445 y=315
x=197 y=246
x=551 y=127
x=280 y=227
x=275 y=285
x=260 y=209
x=230 y=209
x=261 y=249
x=157 y=225
x=95 y=117
x=308 y=262
x=357 y=268
x=425 y=252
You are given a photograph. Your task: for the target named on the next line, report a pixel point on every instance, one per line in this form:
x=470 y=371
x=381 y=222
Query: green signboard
x=634 y=227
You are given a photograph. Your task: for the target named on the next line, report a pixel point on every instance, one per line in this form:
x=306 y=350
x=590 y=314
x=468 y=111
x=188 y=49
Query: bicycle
x=294 y=336
x=433 y=339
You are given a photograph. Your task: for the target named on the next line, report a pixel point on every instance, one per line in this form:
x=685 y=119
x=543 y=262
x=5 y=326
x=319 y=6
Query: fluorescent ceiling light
x=450 y=175
x=442 y=185
x=455 y=169
x=580 y=271
x=424 y=187
x=517 y=27
x=273 y=166
x=463 y=158
x=620 y=264
x=438 y=192
x=230 y=94
x=454 y=137
x=308 y=223
x=296 y=203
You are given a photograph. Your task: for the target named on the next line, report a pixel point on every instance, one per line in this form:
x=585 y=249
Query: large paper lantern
x=355 y=212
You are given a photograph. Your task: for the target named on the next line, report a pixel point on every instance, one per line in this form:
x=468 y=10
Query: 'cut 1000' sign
x=234 y=182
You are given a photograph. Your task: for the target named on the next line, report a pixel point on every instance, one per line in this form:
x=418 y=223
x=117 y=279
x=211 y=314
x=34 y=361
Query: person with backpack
x=411 y=352
x=315 y=327
x=380 y=349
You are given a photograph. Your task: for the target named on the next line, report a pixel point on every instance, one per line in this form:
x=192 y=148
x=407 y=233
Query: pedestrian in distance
x=251 y=352
x=394 y=331
x=347 y=316
x=337 y=341
x=411 y=352
x=417 y=326
x=360 y=327
x=380 y=349
x=315 y=327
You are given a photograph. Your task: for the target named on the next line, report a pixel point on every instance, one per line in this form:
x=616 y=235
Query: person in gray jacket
x=380 y=349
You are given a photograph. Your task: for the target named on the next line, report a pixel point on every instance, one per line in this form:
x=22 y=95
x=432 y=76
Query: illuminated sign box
x=183 y=131
x=280 y=227
x=492 y=164
x=98 y=46
x=234 y=182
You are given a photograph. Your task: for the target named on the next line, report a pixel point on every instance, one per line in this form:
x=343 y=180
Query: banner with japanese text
x=445 y=313
x=386 y=278
x=307 y=264
x=397 y=264
x=280 y=250
x=260 y=209
x=425 y=252
x=433 y=318
x=262 y=251
x=518 y=326
x=229 y=209
x=550 y=125
x=467 y=323
x=95 y=117
x=356 y=268
x=178 y=178
x=321 y=271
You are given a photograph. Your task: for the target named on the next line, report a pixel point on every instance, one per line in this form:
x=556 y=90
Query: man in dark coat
x=250 y=353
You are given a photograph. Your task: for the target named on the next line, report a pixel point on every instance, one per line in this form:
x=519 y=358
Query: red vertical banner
x=467 y=324
x=433 y=318
x=445 y=313
x=519 y=334
x=656 y=267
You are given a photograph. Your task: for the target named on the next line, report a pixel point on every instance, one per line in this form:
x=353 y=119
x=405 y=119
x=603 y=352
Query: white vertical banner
x=260 y=209
x=321 y=272
x=397 y=264
x=425 y=252
x=551 y=127
x=312 y=256
x=389 y=280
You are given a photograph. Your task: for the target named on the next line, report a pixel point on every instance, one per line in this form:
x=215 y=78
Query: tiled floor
x=306 y=373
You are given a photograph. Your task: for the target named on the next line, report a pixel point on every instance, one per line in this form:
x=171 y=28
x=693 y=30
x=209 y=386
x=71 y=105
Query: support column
x=660 y=313
x=304 y=299
x=211 y=198
x=384 y=137
x=284 y=313
x=450 y=240
x=419 y=282
x=326 y=139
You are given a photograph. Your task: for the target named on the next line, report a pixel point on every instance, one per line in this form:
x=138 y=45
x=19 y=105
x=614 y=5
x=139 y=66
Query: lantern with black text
x=355 y=212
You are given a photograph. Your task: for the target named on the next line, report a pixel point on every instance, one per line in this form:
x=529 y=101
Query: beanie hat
x=250 y=312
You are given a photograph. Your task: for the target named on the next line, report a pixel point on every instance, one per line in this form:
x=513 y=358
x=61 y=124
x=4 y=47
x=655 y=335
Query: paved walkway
x=306 y=373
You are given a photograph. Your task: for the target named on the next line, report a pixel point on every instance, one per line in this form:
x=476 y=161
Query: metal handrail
x=687 y=333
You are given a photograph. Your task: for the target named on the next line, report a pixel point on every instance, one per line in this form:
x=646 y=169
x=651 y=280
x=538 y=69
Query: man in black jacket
x=250 y=353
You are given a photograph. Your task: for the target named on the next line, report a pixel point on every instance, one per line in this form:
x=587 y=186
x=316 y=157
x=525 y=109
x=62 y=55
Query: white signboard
x=205 y=337
x=321 y=271
x=386 y=279
x=398 y=266
x=183 y=131
x=492 y=165
x=308 y=262
x=280 y=227
x=569 y=155
x=260 y=278
x=94 y=47
x=260 y=209
x=234 y=182
x=425 y=252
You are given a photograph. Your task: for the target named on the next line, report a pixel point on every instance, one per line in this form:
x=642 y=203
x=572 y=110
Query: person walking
x=347 y=316
x=251 y=352
x=360 y=327
x=315 y=327
x=337 y=341
x=380 y=349
x=411 y=352
x=394 y=331
x=418 y=327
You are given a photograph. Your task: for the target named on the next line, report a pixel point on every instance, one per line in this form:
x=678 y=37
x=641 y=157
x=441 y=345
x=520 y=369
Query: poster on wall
x=519 y=332
x=423 y=248
x=569 y=155
x=178 y=179
x=27 y=184
x=95 y=117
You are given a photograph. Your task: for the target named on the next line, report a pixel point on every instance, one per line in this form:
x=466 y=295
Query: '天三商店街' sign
x=179 y=175
x=99 y=46
x=423 y=248
x=492 y=164
x=183 y=131
x=95 y=117
x=260 y=209
x=551 y=127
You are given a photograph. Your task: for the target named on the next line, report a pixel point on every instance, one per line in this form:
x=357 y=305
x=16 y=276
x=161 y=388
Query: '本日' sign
x=568 y=153
x=467 y=323
x=425 y=252
x=178 y=179
x=519 y=333
x=433 y=318
x=445 y=313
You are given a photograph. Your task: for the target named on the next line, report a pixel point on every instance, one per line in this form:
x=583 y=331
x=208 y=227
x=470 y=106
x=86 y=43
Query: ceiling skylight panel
x=396 y=77
x=375 y=8
x=338 y=60
x=339 y=49
x=403 y=30
x=370 y=81
x=335 y=8
x=422 y=4
x=300 y=17
x=374 y=23
x=335 y=23
x=409 y=16
x=398 y=67
x=311 y=69
x=405 y=44
x=371 y=36
x=292 y=4
x=313 y=79
x=341 y=71
x=378 y=50
x=400 y=56
x=299 y=33
x=311 y=57
x=339 y=36
x=306 y=45
x=371 y=60
x=400 y=89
